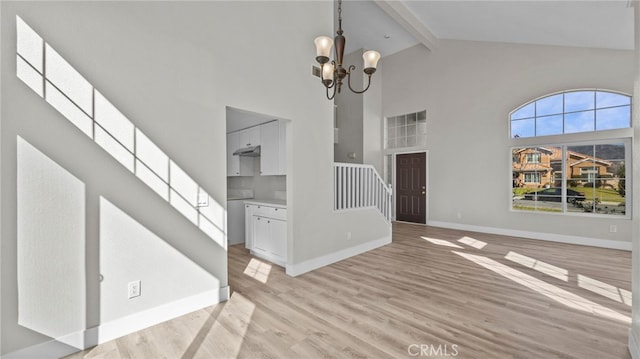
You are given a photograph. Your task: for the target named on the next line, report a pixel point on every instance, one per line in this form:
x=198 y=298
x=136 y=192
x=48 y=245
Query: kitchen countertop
x=267 y=202
x=239 y=193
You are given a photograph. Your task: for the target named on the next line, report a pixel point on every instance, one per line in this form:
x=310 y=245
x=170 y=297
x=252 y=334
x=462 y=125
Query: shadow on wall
x=54 y=279
x=51 y=254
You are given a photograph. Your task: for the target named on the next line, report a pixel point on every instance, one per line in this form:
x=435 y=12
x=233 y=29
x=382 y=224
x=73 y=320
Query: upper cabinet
x=249 y=137
x=273 y=149
x=237 y=165
x=272 y=141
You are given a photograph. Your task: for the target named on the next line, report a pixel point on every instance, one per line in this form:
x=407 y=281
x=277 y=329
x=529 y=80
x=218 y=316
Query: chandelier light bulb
x=323 y=48
x=327 y=72
x=371 y=59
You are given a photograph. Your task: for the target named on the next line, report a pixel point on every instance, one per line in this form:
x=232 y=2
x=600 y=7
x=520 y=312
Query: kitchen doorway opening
x=257 y=181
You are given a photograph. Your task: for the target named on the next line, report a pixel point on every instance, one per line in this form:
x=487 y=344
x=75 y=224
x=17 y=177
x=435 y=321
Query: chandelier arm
x=333 y=84
x=334 y=92
x=351 y=68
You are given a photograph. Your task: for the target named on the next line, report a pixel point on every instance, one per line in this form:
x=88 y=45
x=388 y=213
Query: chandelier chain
x=339 y=32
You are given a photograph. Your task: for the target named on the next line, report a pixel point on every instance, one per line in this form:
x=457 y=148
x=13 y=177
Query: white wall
x=372 y=122
x=468 y=90
x=52 y=292
x=172 y=68
x=349 y=114
x=359 y=118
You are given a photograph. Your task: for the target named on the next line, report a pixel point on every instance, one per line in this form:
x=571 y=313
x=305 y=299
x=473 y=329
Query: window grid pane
x=571 y=112
x=586 y=179
x=408 y=130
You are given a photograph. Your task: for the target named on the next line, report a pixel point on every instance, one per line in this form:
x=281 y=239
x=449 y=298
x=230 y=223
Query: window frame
x=539 y=177
x=411 y=135
x=626 y=140
x=529 y=157
x=535 y=117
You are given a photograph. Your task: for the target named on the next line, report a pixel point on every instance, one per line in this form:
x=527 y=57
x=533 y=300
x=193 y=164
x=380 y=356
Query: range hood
x=253 y=151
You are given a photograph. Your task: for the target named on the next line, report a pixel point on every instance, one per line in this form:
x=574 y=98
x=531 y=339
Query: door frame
x=426 y=179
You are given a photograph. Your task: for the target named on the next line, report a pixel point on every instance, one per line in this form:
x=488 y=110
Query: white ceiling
x=365 y=26
x=583 y=23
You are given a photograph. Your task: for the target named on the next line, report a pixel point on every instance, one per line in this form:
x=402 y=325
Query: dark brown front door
x=411 y=198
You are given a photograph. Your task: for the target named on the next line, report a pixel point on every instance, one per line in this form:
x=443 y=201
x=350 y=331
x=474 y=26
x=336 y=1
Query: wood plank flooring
x=440 y=291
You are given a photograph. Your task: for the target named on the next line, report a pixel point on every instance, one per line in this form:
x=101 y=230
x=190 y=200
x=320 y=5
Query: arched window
x=572 y=112
x=589 y=177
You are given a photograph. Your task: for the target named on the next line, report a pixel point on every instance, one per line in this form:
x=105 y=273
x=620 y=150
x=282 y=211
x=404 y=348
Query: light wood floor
x=511 y=298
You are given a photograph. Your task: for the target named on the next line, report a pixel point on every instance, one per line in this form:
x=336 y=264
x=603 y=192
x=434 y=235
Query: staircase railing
x=360 y=186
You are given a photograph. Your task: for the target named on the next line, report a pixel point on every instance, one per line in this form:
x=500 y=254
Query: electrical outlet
x=133 y=289
x=613 y=228
x=349 y=235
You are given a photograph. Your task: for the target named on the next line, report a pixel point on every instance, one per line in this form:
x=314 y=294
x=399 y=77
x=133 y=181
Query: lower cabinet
x=266 y=232
x=270 y=238
x=248 y=226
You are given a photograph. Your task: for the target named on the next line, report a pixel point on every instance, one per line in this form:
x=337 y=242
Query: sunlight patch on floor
x=604 y=289
x=559 y=295
x=228 y=331
x=540 y=266
x=441 y=242
x=472 y=242
x=258 y=270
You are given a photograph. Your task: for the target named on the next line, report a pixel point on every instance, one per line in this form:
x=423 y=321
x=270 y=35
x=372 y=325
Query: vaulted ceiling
x=393 y=25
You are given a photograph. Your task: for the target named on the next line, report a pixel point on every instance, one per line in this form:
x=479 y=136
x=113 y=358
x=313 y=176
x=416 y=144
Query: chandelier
x=333 y=73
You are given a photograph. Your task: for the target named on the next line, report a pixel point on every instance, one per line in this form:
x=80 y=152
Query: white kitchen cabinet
x=249 y=137
x=282 y=148
x=272 y=149
x=278 y=235
x=261 y=240
x=237 y=165
x=233 y=164
x=270 y=239
x=235 y=222
x=248 y=229
x=266 y=231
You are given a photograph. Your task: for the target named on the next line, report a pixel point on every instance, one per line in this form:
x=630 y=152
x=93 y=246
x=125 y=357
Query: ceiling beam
x=399 y=12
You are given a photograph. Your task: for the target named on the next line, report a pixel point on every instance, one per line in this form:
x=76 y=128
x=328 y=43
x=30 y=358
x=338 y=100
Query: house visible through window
x=588 y=177
x=592 y=179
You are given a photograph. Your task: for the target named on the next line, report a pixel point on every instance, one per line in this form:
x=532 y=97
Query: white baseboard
x=634 y=346
x=105 y=332
x=315 y=263
x=50 y=349
x=585 y=241
x=138 y=321
x=271 y=258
